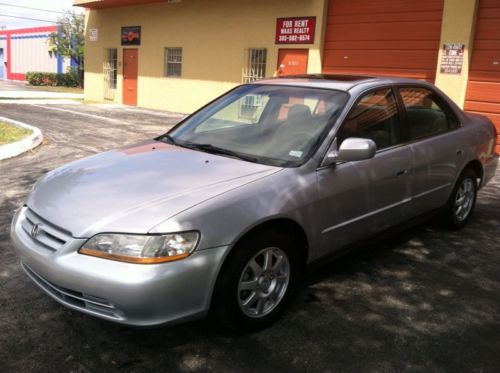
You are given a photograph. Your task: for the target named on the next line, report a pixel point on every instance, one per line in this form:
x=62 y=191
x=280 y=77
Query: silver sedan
x=227 y=210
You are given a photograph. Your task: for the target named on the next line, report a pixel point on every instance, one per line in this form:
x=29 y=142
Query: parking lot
x=426 y=300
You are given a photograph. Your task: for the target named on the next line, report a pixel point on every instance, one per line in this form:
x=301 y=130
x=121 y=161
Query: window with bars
x=255 y=67
x=173 y=62
x=110 y=73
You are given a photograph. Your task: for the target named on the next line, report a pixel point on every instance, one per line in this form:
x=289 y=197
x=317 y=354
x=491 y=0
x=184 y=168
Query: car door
x=360 y=198
x=436 y=155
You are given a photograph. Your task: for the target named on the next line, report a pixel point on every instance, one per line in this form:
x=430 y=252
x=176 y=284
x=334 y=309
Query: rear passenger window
x=375 y=117
x=425 y=114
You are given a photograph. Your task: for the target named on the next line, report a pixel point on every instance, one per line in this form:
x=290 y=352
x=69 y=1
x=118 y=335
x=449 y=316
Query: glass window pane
x=375 y=117
x=425 y=116
x=263 y=132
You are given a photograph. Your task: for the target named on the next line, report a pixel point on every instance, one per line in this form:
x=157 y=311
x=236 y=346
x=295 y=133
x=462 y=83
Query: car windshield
x=269 y=124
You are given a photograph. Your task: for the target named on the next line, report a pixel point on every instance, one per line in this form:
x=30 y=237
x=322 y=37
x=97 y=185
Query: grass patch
x=10 y=133
x=56 y=89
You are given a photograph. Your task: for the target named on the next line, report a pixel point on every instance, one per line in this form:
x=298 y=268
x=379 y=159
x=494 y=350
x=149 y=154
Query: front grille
x=46 y=235
x=77 y=299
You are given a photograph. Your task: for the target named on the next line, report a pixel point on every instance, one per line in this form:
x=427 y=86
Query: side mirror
x=352 y=149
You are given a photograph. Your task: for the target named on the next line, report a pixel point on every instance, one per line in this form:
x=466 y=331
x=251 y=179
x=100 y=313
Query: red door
x=130 y=72
x=292 y=61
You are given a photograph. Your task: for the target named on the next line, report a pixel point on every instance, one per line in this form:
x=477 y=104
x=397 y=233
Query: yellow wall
x=213 y=34
x=457 y=27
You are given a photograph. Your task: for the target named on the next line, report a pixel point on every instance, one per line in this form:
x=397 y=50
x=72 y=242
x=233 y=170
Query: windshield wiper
x=209 y=148
x=168 y=139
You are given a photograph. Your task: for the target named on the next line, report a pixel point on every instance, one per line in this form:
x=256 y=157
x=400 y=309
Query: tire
x=462 y=201
x=250 y=295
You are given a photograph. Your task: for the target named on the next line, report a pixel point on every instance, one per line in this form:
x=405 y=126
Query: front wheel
x=257 y=281
x=461 y=204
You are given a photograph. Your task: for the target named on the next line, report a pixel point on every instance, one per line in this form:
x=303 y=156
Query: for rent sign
x=297 y=30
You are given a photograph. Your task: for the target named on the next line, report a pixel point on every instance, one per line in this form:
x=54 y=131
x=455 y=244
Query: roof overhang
x=101 y=4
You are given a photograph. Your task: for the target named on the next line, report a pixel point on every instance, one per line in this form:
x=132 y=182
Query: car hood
x=134 y=188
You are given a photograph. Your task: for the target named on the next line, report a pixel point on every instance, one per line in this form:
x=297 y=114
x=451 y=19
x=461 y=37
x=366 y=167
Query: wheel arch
x=477 y=167
x=284 y=225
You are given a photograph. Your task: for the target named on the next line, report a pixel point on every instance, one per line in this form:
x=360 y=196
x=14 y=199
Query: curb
x=21 y=146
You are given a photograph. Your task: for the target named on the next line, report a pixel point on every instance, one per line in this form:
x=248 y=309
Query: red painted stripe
x=9 y=75
x=29 y=30
x=16 y=76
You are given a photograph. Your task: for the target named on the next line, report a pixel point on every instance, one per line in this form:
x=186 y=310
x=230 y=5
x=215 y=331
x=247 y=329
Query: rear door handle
x=402 y=172
x=460 y=152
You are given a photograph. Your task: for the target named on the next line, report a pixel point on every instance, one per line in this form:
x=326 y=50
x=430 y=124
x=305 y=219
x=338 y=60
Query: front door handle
x=460 y=152
x=401 y=173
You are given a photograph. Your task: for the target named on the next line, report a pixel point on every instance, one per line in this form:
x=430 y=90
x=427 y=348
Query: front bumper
x=133 y=294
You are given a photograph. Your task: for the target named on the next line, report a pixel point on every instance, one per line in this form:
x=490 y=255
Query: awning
x=100 y=4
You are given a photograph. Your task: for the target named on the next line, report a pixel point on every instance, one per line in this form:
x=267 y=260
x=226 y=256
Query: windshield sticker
x=295 y=153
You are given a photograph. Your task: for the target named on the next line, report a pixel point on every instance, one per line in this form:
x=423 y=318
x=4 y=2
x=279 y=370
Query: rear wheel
x=461 y=204
x=257 y=281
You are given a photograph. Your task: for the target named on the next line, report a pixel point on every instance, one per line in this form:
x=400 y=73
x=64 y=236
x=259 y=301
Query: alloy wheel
x=263 y=282
x=464 y=199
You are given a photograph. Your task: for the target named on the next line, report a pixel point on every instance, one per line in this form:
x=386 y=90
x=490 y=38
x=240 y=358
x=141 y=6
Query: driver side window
x=375 y=117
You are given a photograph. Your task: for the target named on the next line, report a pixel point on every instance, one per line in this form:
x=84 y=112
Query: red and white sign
x=297 y=30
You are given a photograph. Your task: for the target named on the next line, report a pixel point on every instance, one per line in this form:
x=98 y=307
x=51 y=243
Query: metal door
x=361 y=198
x=292 y=61
x=130 y=73
x=436 y=163
x=364 y=197
x=483 y=89
x=437 y=151
x=383 y=37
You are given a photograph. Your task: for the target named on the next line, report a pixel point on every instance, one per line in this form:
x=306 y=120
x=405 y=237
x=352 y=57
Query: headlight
x=141 y=249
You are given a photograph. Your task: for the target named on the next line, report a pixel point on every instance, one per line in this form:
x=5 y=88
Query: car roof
x=337 y=81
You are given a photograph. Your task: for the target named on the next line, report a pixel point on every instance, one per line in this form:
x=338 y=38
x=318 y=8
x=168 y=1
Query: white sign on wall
x=93 y=34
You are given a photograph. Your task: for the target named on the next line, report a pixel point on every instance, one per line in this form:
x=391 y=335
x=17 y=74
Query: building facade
x=27 y=49
x=179 y=54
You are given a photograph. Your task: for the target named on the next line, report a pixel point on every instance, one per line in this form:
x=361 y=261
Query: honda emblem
x=35 y=230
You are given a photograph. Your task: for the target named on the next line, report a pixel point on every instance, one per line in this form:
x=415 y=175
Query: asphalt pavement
x=426 y=300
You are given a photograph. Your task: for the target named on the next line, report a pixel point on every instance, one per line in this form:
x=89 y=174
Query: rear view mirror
x=352 y=149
